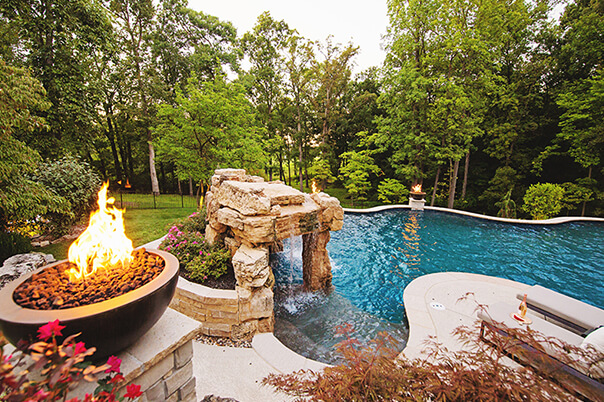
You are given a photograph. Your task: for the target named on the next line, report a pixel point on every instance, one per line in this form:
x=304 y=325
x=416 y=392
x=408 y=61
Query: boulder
x=21 y=264
x=247 y=198
x=282 y=194
x=316 y=268
x=221 y=175
x=251 y=266
x=257 y=303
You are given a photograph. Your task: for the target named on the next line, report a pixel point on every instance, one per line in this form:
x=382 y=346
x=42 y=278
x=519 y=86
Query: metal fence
x=151 y=201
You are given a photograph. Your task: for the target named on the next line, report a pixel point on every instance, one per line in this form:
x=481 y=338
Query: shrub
x=507 y=206
x=63 y=367
x=76 y=182
x=209 y=263
x=199 y=260
x=196 y=222
x=481 y=372
x=12 y=243
x=392 y=191
x=543 y=200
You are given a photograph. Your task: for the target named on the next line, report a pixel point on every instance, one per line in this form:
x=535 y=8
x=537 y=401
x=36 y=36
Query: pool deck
x=434 y=307
x=237 y=372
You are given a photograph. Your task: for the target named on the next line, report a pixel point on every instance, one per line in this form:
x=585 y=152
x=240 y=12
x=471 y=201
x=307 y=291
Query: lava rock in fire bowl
x=110 y=325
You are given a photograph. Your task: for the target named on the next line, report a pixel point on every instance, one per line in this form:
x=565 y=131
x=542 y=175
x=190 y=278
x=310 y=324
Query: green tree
x=299 y=59
x=265 y=45
x=187 y=41
x=354 y=173
x=320 y=172
x=21 y=198
x=212 y=123
x=543 y=200
x=392 y=191
x=582 y=122
x=332 y=76
x=135 y=19
x=58 y=40
x=507 y=206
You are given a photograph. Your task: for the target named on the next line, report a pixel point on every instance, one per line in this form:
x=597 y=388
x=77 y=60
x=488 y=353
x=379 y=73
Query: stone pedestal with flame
x=252 y=217
x=417 y=198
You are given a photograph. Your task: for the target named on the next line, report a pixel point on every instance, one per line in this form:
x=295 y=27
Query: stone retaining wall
x=238 y=314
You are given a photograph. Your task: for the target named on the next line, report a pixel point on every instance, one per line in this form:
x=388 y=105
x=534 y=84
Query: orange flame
x=103 y=244
x=314 y=187
x=417 y=188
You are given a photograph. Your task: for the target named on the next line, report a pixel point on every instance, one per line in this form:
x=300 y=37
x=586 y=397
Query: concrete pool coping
x=552 y=221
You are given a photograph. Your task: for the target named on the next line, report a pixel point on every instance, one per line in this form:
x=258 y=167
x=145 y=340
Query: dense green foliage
x=392 y=191
x=13 y=243
x=543 y=200
x=476 y=101
x=75 y=182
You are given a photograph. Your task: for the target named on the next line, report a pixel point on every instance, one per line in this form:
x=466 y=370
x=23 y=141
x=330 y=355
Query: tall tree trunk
x=300 y=162
x=435 y=186
x=453 y=184
x=281 y=171
x=585 y=202
x=152 y=171
x=465 y=176
x=179 y=187
x=190 y=186
x=306 y=176
x=289 y=170
x=109 y=133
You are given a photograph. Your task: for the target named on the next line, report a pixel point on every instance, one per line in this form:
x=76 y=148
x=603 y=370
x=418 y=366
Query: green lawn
x=142 y=226
x=148 y=201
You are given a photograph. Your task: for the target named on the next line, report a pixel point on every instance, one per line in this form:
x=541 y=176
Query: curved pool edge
x=446 y=289
x=551 y=221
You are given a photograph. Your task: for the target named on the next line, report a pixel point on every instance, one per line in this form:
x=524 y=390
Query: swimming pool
x=375 y=256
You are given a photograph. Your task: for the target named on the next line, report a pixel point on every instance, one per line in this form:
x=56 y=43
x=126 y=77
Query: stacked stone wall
x=237 y=314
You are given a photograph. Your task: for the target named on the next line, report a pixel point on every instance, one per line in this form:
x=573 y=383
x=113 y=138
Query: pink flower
x=133 y=391
x=79 y=348
x=51 y=329
x=115 y=363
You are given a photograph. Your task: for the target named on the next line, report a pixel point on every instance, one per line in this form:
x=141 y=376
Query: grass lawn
x=142 y=226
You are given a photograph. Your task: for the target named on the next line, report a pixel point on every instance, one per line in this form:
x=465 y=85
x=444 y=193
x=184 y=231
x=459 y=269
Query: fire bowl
x=110 y=325
x=417 y=195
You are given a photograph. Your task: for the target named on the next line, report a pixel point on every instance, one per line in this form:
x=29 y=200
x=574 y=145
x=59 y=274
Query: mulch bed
x=226 y=281
x=52 y=290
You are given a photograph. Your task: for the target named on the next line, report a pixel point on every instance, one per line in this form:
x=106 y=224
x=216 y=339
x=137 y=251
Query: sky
x=361 y=22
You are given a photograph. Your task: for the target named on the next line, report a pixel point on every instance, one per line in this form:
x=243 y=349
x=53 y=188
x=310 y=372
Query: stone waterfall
x=252 y=217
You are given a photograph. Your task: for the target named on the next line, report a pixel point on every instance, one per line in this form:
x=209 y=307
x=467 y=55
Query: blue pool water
x=375 y=256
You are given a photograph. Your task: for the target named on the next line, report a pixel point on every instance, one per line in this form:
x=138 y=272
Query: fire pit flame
x=314 y=187
x=103 y=244
x=417 y=188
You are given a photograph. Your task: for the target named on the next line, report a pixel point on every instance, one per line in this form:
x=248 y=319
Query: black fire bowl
x=417 y=195
x=110 y=326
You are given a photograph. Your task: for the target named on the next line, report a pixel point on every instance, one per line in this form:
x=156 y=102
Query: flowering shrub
x=200 y=260
x=61 y=367
x=209 y=263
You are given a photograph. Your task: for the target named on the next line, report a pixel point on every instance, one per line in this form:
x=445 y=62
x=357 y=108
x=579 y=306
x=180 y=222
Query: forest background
x=491 y=105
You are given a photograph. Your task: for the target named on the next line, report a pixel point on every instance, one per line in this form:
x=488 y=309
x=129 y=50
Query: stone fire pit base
x=161 y=361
